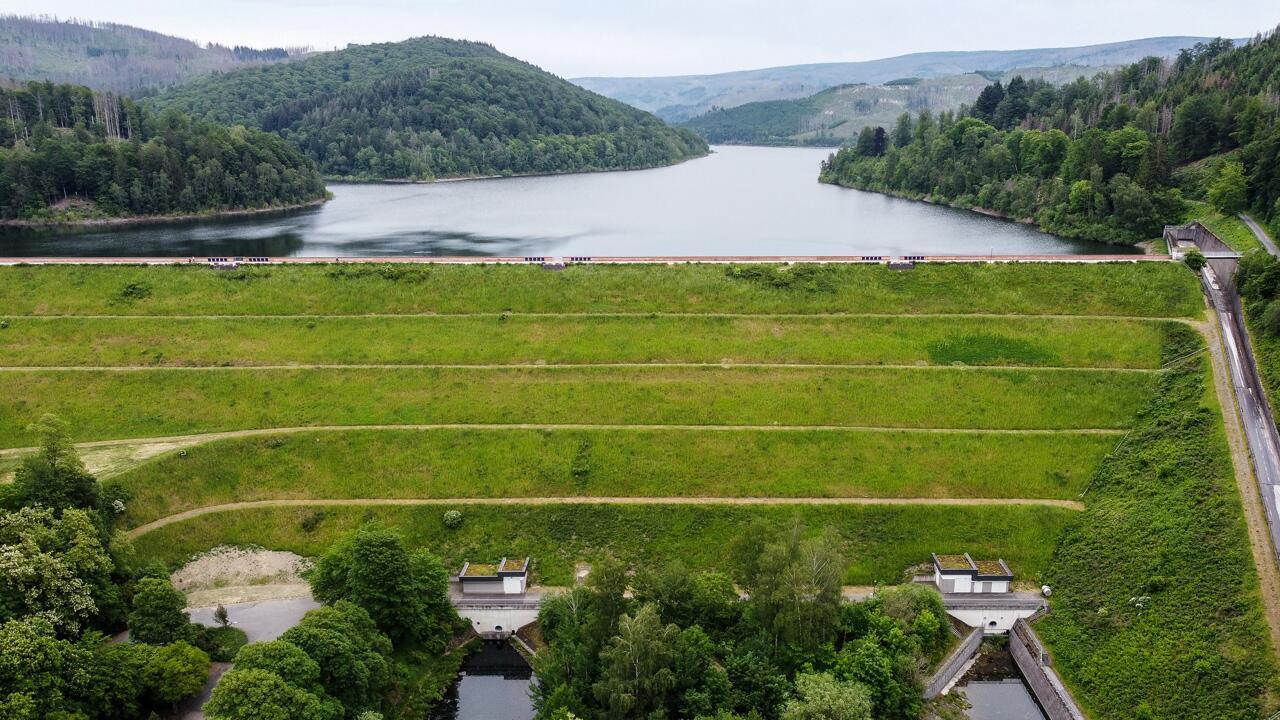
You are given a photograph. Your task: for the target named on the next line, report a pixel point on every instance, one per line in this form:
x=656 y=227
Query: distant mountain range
x=117 y=58
x=680 y=98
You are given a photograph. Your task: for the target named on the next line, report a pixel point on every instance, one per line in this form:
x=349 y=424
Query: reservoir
x=737 y=201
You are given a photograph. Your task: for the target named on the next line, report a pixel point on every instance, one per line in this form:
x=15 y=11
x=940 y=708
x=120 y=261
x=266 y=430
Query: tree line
x=69 y=580
x=67 y=152
x=668 y=642
x=1092 y=159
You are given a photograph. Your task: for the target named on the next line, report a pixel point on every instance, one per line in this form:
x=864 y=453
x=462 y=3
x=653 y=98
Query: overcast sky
x=674 y=37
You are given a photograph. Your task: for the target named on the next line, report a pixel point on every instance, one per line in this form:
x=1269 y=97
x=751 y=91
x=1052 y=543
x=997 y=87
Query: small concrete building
x=506 y=577
x=963 y=574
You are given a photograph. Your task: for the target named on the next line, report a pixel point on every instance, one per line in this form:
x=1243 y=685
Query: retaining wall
x=1032 y=659
x=954 y=664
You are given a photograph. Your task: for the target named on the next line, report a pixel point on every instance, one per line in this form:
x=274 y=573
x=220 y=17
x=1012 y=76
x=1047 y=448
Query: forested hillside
x=434 y=107
x=1093 y=158
x=106 y=56
x=680 y=98
x=69 y=154
x=835 y=116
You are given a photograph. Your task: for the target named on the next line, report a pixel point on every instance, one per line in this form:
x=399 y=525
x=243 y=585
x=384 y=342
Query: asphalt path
x=261 y=621
x=1261 y=234
x=1255 y=410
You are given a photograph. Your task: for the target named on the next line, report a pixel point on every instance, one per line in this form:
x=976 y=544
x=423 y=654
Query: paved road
x=1261 y=234
x=262 y=620
x=1255 y=410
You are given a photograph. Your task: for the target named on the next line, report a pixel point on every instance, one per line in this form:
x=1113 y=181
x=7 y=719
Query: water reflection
x=739 y=201
x=995 y=689
x=493 y=684
x=1001 y=700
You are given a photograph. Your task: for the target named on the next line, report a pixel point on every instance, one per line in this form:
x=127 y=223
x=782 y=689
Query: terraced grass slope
x=988 y=382
x=609 y=463
x=786 y=384
x=879 y=541
x=1154 y=290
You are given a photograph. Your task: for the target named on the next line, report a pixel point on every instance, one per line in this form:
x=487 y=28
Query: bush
x=453 y=519
x=221 y=643
x=313 y=520
x=1194 y=260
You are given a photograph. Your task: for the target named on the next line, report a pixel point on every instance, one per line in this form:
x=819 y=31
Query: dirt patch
x=230 y=574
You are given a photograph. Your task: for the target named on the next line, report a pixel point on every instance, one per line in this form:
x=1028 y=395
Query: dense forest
x=1092 y=159
x=111 y=57
x=68 y=153
x=687 y=645
x=433 y=107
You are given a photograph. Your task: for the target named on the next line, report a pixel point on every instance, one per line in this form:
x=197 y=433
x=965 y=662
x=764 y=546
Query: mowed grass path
x=879 y=541
x=1137 y=289
x=496 y=339
x=112 y=404
x=640 y=463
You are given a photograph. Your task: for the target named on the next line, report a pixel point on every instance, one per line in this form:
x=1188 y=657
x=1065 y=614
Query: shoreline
x=341 y=180
x=986 y=212
x=91 y=223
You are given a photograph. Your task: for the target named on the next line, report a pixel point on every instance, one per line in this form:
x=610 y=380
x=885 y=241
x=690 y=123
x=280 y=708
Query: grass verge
x=1156 y=604
x=879 y=541
x=1229 y=228
x=1140 y=289
x=110 y=404
x=497 y=339
x=642 y=463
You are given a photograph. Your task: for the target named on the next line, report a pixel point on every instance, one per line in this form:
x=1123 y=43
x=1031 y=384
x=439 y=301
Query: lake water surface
x=738 y=201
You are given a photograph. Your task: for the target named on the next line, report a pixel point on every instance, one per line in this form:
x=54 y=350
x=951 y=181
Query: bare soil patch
x=227 y=575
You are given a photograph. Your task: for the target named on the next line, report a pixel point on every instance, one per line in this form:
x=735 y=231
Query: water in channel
x=737 y=201
x=493 y=684
x=995 y=689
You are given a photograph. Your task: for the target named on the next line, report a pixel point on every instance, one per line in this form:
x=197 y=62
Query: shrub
x=312 y=520
x=1194 y=260
x=221 y=643
x=453 y=519
x=134 y=291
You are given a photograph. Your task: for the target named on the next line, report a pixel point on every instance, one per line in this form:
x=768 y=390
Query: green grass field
x=1139 y=289
x=528 y=463
x=879 y=541
x=627 y=347
x=1229 y=228
x=496 y=339
x=113 y=404
x=1157 y=610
